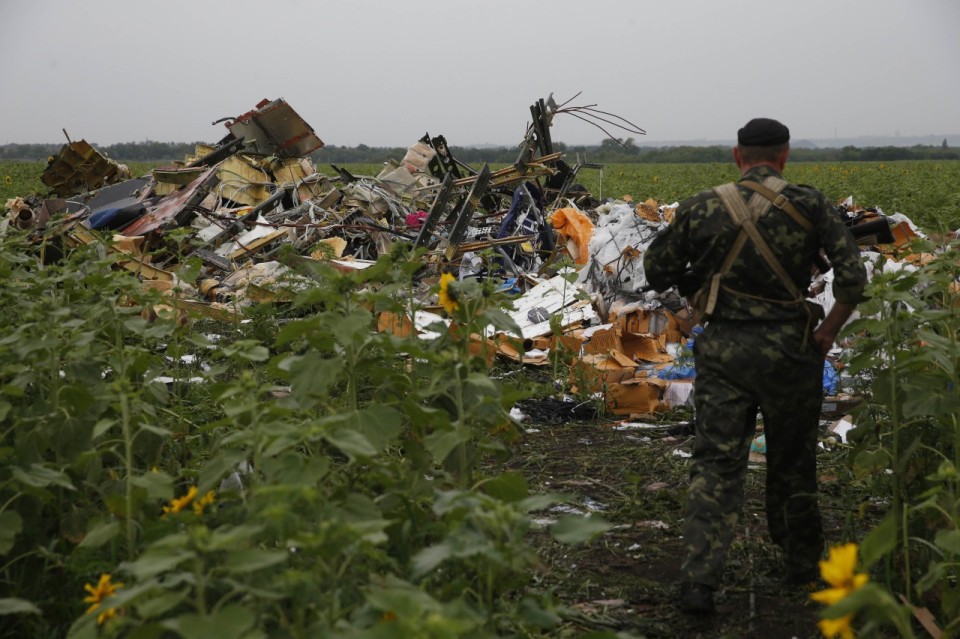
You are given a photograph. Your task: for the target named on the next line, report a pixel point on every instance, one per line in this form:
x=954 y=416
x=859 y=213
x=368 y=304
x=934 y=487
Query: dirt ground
x=626 y=581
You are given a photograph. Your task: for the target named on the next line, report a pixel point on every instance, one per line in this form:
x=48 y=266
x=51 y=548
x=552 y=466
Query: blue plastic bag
x=677 y=371
x=830 y=379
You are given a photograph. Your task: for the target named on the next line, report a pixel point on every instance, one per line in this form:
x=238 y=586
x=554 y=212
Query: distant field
x=927 y=191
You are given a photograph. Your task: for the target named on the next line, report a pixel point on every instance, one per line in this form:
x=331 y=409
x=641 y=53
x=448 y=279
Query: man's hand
x=688 y=284
x=823 y=340
x=826 y=334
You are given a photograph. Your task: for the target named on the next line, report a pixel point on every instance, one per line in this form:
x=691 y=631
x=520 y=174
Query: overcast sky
x=384 y=73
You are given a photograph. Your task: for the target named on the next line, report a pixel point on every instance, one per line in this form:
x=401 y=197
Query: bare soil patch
x=626 y=581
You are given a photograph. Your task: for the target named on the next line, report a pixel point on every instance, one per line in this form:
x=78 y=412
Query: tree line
x=608 y=152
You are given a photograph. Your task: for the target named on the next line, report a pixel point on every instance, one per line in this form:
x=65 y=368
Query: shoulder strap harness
x=745 y=214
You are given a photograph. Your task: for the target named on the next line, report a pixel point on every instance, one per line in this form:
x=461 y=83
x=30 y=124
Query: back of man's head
x=762 y=140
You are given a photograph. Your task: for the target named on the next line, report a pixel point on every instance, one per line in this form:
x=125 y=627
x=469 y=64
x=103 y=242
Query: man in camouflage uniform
x=761 y=349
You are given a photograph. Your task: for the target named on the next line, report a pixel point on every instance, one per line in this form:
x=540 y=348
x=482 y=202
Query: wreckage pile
x=236 y=204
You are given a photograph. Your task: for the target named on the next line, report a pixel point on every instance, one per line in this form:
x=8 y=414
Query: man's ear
x=782 y=160
x=736 y=156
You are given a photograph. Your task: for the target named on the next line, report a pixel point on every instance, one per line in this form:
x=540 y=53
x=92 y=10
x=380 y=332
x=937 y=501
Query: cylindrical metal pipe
x=25 y=219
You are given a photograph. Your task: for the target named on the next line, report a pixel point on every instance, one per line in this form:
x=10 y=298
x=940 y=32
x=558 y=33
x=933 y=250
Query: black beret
x=763 y=132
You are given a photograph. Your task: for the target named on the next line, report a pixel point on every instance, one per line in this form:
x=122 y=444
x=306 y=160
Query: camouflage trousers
x=743 y=367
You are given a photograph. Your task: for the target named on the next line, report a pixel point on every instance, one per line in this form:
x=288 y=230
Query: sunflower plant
x=97 y=594
x=905 y=450
x=851 y=595
x=319 y=478
x=476 y=406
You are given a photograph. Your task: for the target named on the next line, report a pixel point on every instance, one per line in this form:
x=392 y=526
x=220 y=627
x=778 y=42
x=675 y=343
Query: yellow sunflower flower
x=448 y=298
x=98 y=593
x=839 y=571
x=203 y=502
x=177 y=505
x=840 y=626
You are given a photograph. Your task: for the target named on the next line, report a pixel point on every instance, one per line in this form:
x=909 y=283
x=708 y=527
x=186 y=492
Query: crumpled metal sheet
x=79 y=168
x=168 y=212
x=274 y=128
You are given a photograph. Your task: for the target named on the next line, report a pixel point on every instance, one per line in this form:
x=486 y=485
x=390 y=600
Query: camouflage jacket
x=694 y=246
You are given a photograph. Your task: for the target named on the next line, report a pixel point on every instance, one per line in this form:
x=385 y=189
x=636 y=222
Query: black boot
x=696 y=599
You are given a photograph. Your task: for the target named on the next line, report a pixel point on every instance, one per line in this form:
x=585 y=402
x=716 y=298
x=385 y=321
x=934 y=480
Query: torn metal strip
x=176 y=208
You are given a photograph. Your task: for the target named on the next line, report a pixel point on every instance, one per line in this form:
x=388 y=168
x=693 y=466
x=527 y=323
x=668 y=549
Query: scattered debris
x=79 y=168
x=234 y=205
x=653 y=523
x=551 y=410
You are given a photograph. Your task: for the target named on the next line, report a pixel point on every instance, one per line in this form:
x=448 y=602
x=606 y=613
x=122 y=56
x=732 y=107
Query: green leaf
x=230 y=622
x=38 y=476
x=381 y=424
x=509 y=487
x=159 y=603
x=439 y=443
x=351 y=443
x=352 y=328
x=10 y=526
x=429 y=558
x=76 y=399
x=933 y=400
x=950 y=603
x=189 y=269
x=880 y=541
x=574 y=529
x=83 y=628
x=103 y=426
x=198 y=339
x=532 y=614
x=5 y=407
x=935 y=572
x=501 y=321
x=362 y=433
x=100 y=535
x=14 y=606
x=158 y=484
x=282 y=443
x=311 y=375
x=247 y=349
x=294 y=468
x=228 y=537
x=865 y=325
x=541 y=502
x=255 y=354
x=226 y=462
x=155 y=561
x=879 y=605
x=390 y=594
x=14 y=390
x=253 y=559
x=948 y=540
x=481 y=385
x=156 y=430
x=363 y=515
x=868 y=462
x=298 y=329
x=135 y=325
